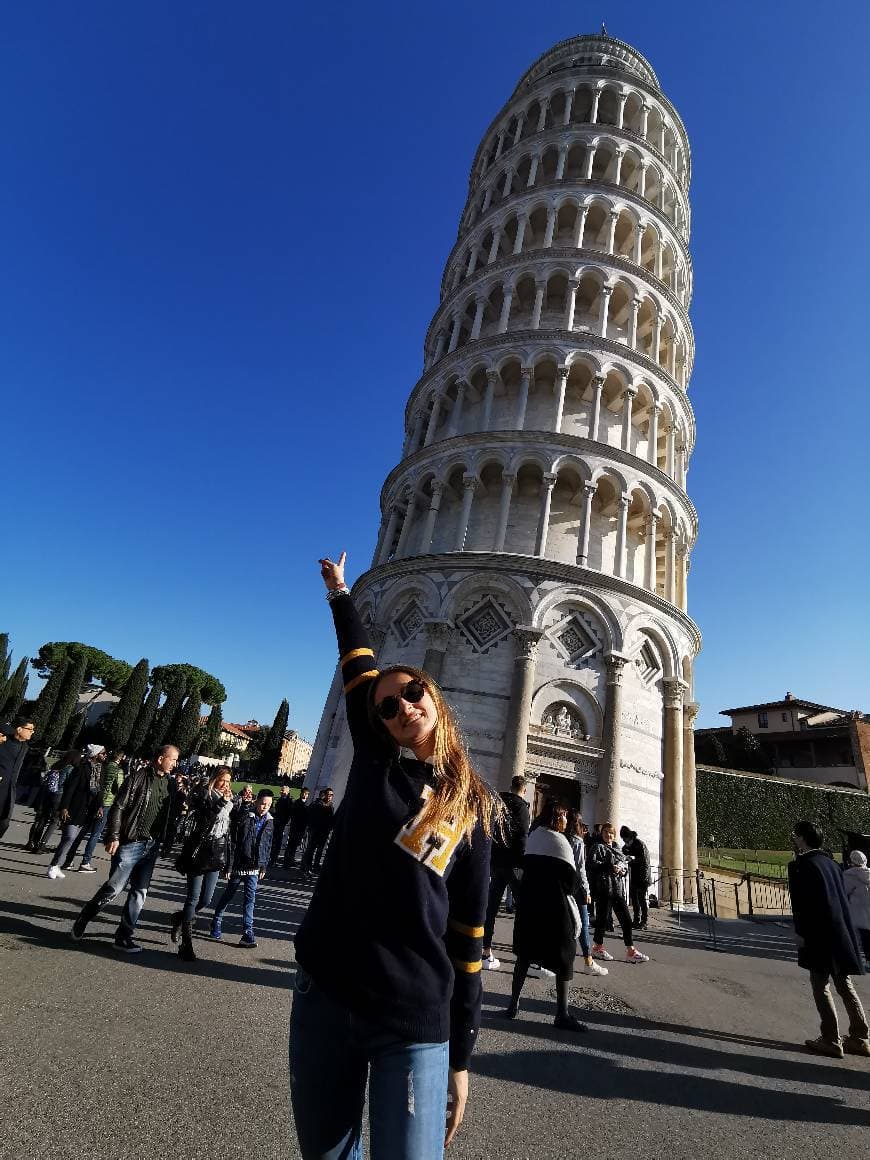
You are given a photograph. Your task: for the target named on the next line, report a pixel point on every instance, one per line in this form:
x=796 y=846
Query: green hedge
x=753 y=813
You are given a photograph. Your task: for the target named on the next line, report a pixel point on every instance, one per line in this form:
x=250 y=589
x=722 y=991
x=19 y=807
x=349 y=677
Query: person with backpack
x=48 y=802
x=79 y=806
x=251 y=828
x=204 y=855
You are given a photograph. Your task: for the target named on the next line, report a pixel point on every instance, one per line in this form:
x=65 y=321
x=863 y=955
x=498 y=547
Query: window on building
x=785 y=716
x=762 y=720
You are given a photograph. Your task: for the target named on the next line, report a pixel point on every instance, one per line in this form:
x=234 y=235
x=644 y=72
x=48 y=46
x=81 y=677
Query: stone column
x=469 y=484
x=540 y=291
x=522 y=222
x=657 y=340
x=551 y=227
x=597 y=388
x=542 y=116
x=472 y=261
x=653 y=449
x=523 y=398
x=496 y=244
x=560 y=385
x=621 y=535
x=414 y=440
x=606 y=291
x=507 y=487
x=581 y=226
x=487 y=201
x=571 y=304
x=506 y=309
x=508 y=183
x=438 y=634
x=480 y=306
x=549 y=482
x=690 y=812
x=432 y=516
x=410 y=509
x=589 y=490
x=649 y=564
x=623 y=98
x=456 y=413
x=569 y=102
x=632 y=326
x=617 y=172
x=643 y=168
x=387 y=542
x=560 y=164
x=433 y=421
x=669 y=454
x=593 y=115
x=533 y=171
x=521 y=120
x=644 y=125
x=439 y=348
x=607 y=802
x=513 y=757
x=611 y=230
x=499 y=145
x=590 y=161
x=454 y=334
x=672 y=803
x=670 y=565
x=682 y=553
x=492 y=378
x=626 y=418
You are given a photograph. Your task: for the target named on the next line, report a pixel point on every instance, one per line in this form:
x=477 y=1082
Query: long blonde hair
x=218 y=773
x=461 y=797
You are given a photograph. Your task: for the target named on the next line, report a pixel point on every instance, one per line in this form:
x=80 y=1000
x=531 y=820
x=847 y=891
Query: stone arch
x=642 y=627
x=594 y=605
x=483 y=583
x=577 y=695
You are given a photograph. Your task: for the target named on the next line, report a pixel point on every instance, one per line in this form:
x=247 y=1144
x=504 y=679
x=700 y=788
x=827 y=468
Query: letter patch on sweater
x=433 y=846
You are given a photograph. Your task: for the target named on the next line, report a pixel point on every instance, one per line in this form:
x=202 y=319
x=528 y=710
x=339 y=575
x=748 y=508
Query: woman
x=608 y=868
x=204 y=855
x=404 y=882
x=48 y=802
x=856 y=881
x=546 y=922
x=576 y=833
x=79 y=805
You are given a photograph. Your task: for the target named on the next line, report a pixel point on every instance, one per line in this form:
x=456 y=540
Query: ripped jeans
x=333 y=1054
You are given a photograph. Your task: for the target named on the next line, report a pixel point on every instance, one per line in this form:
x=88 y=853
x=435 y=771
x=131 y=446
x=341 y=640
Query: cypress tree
x=47 y=699
x=74 y=730
x=119 y=725
x=185 y=727
x=159 y=734
x=67 y=700
x=16 y=687
x=144 y=719
x=4 y=662
x=271 y=753
x=211 y=734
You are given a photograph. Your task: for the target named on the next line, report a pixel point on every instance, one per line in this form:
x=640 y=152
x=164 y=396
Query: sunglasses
x=389 y=707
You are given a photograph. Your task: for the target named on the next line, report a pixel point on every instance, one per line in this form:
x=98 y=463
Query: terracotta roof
x=787 y=703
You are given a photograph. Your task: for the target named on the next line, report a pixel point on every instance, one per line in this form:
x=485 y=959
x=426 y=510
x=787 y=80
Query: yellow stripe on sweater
x=469 y=968
x=354 y=653
x=358 y=680
x=461 y=928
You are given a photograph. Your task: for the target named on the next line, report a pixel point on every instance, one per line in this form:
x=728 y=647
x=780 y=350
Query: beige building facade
x=536 y=533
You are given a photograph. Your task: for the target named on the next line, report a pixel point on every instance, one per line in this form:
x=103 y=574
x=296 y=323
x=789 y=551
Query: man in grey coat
x=827 y=944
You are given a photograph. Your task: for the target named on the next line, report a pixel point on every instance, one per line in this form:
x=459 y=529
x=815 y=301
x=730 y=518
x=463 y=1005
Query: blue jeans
x=332 y=1055
x=585 y=948
x=250 y=881
x=133 y=863
x=200 y=891
x=97 y=827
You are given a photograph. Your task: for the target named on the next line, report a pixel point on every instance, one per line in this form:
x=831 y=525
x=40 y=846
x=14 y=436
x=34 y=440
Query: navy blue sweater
x=411 y=904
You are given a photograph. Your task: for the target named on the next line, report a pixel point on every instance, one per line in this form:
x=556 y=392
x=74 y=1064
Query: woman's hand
x=332 y=573
x=64 y=816
x=457 y=1097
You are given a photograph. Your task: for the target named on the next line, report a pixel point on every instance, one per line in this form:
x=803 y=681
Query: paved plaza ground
x=692 y=1055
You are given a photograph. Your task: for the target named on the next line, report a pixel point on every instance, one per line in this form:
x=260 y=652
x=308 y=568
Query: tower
x=536 y=532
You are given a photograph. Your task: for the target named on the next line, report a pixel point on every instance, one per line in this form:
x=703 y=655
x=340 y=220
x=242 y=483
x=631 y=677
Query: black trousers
x=277 y=839
x=294 y=841
x=314 y=847
x=43 y=823
x=500 y=878
x=619 y=908
x=639 y=909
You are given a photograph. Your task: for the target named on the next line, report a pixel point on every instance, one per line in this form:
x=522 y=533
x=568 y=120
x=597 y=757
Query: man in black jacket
x=508 y=849
x=137 y=829
x=251 y=828
x=639 y=876
x=298 y=824
x=827 y=944
x=281 y=811
x=12 y=754
x=320 y=818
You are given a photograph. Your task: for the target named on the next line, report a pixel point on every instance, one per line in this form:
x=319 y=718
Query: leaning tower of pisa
x=536 y=532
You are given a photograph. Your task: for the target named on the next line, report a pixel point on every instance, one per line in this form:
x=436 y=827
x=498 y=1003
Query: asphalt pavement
x=695 y=1054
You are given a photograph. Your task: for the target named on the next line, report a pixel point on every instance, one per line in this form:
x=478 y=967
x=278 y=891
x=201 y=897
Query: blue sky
x=224 y=227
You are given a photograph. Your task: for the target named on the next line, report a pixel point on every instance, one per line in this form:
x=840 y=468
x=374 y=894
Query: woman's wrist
x=334 y=593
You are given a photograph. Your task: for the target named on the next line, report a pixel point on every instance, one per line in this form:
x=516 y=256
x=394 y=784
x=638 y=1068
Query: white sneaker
x=601 y=953
x=636 y=957
x=490 y=964
x=55 y=872
x=539 y=972
x=594 y=969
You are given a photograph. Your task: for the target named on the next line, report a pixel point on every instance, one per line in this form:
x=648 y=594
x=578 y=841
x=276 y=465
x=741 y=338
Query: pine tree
x=47 y=699
x=159 y=734
x=144 y=720
x=185 y=727
x=271 y=753
x=67 y=700
x=120 y=722
x=16 y=688
x=211 y=734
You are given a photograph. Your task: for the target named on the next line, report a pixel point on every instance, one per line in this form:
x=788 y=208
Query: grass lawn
x=769 y=863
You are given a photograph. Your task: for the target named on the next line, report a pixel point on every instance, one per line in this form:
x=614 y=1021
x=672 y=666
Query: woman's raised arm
x=355 y=652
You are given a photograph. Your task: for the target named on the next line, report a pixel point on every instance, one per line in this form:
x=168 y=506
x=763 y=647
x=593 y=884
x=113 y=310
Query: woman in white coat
x=856 y=880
